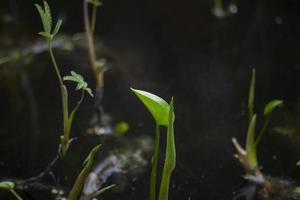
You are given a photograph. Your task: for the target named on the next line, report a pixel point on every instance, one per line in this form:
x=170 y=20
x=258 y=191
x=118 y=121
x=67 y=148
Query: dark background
x=174 y=48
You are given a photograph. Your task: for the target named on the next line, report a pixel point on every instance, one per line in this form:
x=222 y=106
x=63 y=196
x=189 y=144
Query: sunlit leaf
x=158 y=107
x=269 y=108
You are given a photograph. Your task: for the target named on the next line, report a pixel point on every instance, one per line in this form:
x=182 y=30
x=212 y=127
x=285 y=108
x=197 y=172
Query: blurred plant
x=248 y=156
x=9 y=186
x=49 y=34
x=163 y=114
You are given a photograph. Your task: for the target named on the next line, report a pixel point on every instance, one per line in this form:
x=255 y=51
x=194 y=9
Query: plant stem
x=263 y=130
x=153 y=178
x=93 y=19
x=164 y=187
x=63 y=90
x=15 y=194
x=91 y=48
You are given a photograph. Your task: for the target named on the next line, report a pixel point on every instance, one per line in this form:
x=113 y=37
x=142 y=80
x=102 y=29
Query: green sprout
x=248 y=157
x=77 y=188
x=45 y=14
x=9 y=186
x=76 y=191
x=81 y=84
x=48 y=34
x=163 y=114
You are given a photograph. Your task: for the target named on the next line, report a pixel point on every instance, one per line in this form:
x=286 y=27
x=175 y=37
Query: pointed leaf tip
x=157 y=106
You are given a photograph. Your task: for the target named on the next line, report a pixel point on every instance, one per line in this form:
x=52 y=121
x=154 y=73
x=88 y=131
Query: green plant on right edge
x=163 y=114
x=248 y=156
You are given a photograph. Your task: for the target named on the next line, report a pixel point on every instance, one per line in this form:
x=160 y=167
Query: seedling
x=163 y=114
x=248 y=155
x=49 y=34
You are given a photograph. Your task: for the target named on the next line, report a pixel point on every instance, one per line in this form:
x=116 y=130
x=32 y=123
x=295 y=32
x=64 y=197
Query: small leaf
x=269 y=108
x=57 y=27
x=250 y=143
x=42 y=15
x=7 y=185
x=158 y=107
x=47 y=17
x=76 y=191
x=81 y=84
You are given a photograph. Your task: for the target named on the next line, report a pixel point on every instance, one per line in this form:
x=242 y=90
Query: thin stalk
x=263 y=130
x=15 y=194
x=63 y=89
x=91 y=48
x=164 y=186
x=153 y=178
x=72 y=114
x=93 y=19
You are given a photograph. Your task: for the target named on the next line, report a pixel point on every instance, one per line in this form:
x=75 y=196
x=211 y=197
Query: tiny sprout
x=81 y=84
x=45 y=14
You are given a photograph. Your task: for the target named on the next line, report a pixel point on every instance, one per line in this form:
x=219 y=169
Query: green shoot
x=251 y=96
x=251 y=161
x=250 y=143
x=76 y=190
x=45 y=14
x=170 y=157
x=9 y=186
x=163 y=115
x=81 y=84
x=48 y=34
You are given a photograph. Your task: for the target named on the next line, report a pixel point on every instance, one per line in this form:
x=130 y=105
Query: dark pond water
x=174 y=48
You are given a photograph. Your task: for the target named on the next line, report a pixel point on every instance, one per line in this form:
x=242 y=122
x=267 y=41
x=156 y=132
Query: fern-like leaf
x=47 y=17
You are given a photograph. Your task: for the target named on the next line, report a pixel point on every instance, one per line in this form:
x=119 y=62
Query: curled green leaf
x=269 y=108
